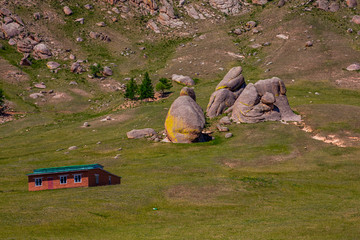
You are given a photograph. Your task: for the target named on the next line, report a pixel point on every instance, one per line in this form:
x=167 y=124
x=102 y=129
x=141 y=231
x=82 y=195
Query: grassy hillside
x=269 y=181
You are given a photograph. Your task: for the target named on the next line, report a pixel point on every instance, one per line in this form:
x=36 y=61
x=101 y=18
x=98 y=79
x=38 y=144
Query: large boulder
x=185 y=121
x=141 y=133
x=233 y=80
x=184 y=80
x=263 y=101
x=226 y=92
x=11 y=29
x=220 y=100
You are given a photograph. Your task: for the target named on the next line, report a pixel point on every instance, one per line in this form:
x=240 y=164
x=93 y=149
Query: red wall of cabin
x=87 y=179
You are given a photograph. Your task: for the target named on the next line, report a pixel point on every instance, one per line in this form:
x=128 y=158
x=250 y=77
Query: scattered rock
x=356 y=19
x=309 y=44
x=185 y=121
x=100 y=24
x=281 y=3
x=76 y=68
x=36 y=95
x=353 y=67
x=334 y=7
x=141 y=133
x=72 y=148
x=185 y=80
x=67 y=11
x=40 y=85
x=107 y=71
x=79 y=20
x=222 y=128
x=282 y=36
x=41 y=51
x=72 y=57
x=79 y=39
x=73 y=83
x=37 y=16
x=88 y=6
x=225 y=120
x=228 y=135
x=351 y=3
x=52 y=65
x=86 y=124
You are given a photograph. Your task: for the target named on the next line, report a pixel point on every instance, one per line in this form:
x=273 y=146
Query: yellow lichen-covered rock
x=184 y=121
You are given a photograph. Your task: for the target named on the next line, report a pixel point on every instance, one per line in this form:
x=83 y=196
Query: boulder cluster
x=263 y=101
x=13 y=29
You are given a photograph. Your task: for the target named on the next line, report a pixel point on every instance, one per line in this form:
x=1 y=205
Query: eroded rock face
x=145 y=6
x=219 y=101
x=231 y=7
x=226 y=92
x=184 y=121
x=263 y=101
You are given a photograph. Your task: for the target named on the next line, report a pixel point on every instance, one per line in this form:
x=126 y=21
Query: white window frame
x=61 y=176
x=80 y=175
x=37 y=179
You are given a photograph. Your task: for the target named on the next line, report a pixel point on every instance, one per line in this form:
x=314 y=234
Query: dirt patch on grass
x=261 y=161
x=348 y=82
x=108 y=85
x=60 y=97
x=197 y=194
x=11 y=74
x=81 y=92
x=111 y=119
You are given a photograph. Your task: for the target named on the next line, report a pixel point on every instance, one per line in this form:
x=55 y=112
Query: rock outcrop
x=263 y=101
x=185 y=120
x=230 y=7
x=41 y=51
x=226 y=92
x=167 y=16
x=145 y=6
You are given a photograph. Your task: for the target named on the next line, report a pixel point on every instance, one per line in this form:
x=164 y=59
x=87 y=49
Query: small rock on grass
x=67 y=10
x=72 y=148
x=353 y=67
x=228 y=135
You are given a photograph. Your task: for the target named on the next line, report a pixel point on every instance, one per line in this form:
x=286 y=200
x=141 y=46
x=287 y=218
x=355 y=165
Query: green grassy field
x=270 y=181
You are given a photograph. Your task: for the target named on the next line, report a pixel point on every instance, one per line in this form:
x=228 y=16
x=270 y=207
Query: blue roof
x=66 y=169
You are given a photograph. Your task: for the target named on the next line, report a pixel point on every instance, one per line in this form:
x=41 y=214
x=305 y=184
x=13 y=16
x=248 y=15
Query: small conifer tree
x=146 y=89
x=163 y=84
x=131 y=89
x=2 y=100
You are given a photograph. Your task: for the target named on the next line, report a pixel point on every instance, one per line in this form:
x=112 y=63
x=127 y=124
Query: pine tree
x=131 y=89
x=2 y=100
x=163 y=84
x=146 y=88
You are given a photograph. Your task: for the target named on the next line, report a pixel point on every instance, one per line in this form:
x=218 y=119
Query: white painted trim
x=60 y=176
x=78 y=174
x=41 y=181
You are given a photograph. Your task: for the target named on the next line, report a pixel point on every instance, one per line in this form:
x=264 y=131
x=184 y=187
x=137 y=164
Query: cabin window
x=77 y=178
x=109 y=180
x=38 y=182
x=63 y=179
x=96 y=178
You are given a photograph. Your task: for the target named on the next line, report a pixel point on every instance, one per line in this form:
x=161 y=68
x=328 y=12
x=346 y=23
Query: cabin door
x=50 y=183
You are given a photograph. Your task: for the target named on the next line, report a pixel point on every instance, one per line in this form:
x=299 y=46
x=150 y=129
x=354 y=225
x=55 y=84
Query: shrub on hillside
x=163 y=84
